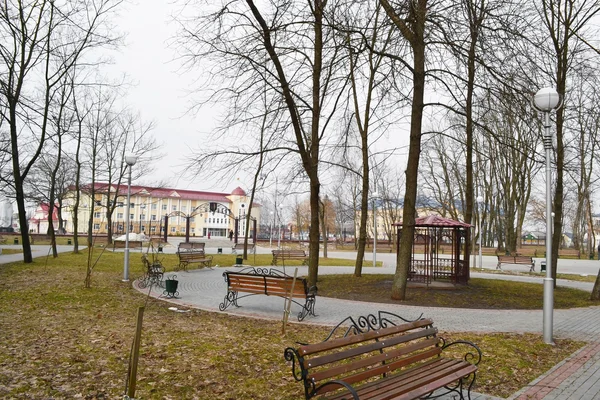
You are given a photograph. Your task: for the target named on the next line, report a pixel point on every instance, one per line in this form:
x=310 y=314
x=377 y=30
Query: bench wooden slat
x=366 y=362
x=378 y=345
x=354 y=339
x=421 y=380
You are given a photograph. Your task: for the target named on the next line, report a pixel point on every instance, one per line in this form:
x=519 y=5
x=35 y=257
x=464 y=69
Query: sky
x=160 y=91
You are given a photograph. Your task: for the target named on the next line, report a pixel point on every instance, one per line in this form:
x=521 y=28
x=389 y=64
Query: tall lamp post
x=374 y=195
x=480 y=203
x=130 y=160
x=546 y=100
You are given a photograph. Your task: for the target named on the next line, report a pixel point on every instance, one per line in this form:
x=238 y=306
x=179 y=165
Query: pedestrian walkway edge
x=552 y=379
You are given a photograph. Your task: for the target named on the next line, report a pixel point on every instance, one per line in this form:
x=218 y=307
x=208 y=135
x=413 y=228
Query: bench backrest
x=266 y=284
x=357 y=358
x=190 y=246
x=189 y=254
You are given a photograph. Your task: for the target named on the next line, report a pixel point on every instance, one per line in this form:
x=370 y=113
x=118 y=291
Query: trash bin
x=219 y=250
x=239 y=260
x=543 y=266
x=16 y=241
x=69 y=241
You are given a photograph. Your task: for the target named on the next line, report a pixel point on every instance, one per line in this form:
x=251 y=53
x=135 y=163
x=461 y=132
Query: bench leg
x=308 y=308
x=183 y=265
x=499 y=266
x=230 y=298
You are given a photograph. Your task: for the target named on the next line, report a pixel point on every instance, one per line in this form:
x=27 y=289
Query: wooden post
x=136 y=353
x=287 y=304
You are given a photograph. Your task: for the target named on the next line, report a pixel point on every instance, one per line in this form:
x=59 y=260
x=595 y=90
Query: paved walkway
x=575 y=378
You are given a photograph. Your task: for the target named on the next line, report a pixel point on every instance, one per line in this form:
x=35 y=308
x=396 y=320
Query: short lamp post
x=546 y=100
x=130 y=160
x=480 y=204
x=279 y=211
x=271 y=230
x=374 y=196
x=142 y=215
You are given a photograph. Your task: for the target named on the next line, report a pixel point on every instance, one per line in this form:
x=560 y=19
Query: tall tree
x=410 y=18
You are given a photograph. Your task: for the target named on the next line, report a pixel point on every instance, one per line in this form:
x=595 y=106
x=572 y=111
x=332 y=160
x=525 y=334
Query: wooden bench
x=270 y=282
x=569 y=253
x=120 y=244
x=284 y=255
x=153 y=273
x=196 y=256
x=522 y=260
x=377 y=358
x=240 y=247
x=381 y=246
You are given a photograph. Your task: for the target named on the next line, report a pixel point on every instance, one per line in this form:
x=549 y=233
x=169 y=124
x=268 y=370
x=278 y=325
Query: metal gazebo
x=439 y=250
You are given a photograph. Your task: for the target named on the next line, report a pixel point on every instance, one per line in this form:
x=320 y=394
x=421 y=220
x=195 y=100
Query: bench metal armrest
x=473 y=357
x=340 y=383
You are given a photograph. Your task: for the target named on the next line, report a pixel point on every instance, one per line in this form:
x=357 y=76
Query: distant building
x=38 y=223
x=209 y=213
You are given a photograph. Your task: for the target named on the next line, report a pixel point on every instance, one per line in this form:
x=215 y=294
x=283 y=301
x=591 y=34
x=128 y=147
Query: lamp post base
x=548 y=309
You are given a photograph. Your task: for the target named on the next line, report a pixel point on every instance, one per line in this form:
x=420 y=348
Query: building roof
x=238 y=191
x=436 y=220
x=149 y=191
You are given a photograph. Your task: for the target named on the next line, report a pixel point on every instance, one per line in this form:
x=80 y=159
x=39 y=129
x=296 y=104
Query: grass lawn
x=59 y=340
x=480 y=293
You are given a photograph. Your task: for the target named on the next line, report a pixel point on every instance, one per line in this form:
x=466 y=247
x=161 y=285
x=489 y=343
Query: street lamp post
x=279 y=224
x=271 y=230
x=142 y=208
x=480 y=203
x=374 y=195
x=546 y=100
x=130 y=160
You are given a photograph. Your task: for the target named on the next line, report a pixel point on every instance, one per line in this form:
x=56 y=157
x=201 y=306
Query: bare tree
x=48 y=38
x=410 y=18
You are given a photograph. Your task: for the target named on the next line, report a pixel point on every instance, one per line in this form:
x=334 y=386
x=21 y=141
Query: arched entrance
x=213 y=209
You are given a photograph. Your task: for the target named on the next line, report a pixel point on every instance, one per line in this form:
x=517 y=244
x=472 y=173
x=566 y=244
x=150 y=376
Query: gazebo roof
x=437 y=221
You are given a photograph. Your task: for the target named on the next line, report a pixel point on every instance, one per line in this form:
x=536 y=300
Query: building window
x=193 y=230
x=97 y=214
x=182 y=230
x=143 y=217
x=131 y=216
x=153 y=217
x=119 y=215
x=174 y=208
x=172 y=229
x=152 y=229
x=96 y=227
x=164 y=207
x=143 y=228
x=154 y=206
x=131 y=205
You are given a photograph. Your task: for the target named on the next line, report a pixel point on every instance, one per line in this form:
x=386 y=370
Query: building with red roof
x=211 y=213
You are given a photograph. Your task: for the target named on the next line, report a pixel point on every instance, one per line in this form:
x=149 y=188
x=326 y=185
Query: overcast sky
x=160 y=91
x=161 y=95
